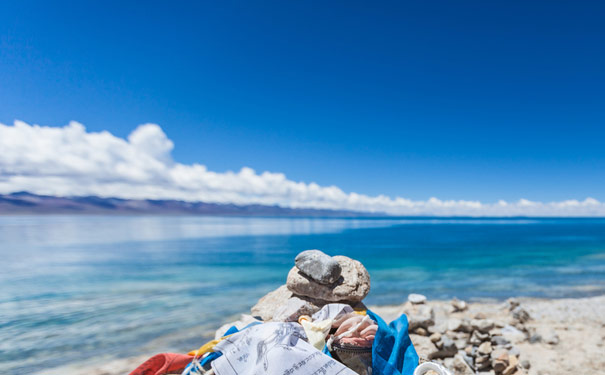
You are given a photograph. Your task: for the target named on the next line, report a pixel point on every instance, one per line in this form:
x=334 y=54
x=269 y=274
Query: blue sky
x=455 y=100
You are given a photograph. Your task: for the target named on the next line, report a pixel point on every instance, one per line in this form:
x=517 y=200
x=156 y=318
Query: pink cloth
x=164 y=363
x=362 y=342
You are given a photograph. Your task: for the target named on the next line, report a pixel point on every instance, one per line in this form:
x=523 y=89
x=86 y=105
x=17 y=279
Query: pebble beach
x=556 y=336
x=562 y=336
x=513 y=337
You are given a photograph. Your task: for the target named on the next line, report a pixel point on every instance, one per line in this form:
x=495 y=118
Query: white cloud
x=70 y=161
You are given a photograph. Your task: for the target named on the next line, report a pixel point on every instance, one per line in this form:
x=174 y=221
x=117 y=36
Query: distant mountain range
x=27 y=203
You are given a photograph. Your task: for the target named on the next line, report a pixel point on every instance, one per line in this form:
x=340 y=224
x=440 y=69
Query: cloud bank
x=70 y=161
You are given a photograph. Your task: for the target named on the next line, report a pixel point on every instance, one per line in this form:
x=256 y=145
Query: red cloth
x=164 y=363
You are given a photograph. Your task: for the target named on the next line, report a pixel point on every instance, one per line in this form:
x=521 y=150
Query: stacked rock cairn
x=316 y=279
x=464 y=344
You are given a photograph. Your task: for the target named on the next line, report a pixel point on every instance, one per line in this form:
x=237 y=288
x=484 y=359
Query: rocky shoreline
x=515 y=337
x=579 y=324
x=520 y=335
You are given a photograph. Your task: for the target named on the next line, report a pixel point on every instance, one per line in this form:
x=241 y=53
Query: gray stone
x=485 y=348
x=460 y=366
x=482 y=325
x=318 y=266
x=512 y=334
x=454 y=324
x=496 y=331
x=477 y=338
x=447 y=348
x=499 y=354
x=474 y=340
x=437 y=327
x=512 y=303
x=352 y=285
x=421 y=331
x=513 y=363
x=435 y=337
x=466 y=326
x=499 y=366
x=422 y=317
x=439 y=344
x=521 y=314
x=514 y=351
x=482 y=362
x=510 y=370
x=525 y=364
x=550 y=337
x=460 y=335
x=460 y=344
x=467 y=358
x=500 y=340
x=458 y=305
x=423 y=345
x=266 y=306
x=293 y=309
x=535 y=338
x=416 y=299
x=285 y=303
x=447 y=362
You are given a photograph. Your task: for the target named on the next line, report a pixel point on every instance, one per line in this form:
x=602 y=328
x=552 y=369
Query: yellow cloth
x=207 y=347
x=316 y=332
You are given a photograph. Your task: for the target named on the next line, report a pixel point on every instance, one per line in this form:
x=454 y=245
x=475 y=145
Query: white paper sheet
x=274 y=348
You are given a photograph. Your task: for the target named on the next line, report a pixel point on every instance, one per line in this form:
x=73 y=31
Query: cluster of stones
x=316 y=279
x=469 y=345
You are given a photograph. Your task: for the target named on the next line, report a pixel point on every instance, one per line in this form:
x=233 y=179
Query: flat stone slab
x=416 y=298
x=282 y=305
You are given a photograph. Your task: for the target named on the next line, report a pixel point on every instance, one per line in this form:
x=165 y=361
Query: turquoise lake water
x=75 y=288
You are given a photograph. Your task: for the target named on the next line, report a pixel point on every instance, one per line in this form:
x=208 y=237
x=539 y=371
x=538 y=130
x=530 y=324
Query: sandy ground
x=578 y=323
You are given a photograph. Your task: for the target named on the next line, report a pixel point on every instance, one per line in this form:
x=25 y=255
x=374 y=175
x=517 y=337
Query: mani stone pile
x=317 y=279
x=467 y=345
x=449 y=335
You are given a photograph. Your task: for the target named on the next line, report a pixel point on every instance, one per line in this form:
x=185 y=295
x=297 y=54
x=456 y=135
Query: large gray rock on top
x=282 y=305
x=318 y=266
x=352 y=285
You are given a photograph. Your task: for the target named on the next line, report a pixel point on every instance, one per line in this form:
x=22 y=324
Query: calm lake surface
x=76 y=288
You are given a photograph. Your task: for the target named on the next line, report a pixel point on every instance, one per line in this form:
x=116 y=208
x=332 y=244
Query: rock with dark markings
x=318 y=266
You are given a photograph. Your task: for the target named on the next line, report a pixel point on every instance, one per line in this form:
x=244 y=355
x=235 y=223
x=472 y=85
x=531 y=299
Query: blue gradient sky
x=458 y=100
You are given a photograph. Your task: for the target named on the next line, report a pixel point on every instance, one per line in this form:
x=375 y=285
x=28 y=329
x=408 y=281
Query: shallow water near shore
x=78 y=287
